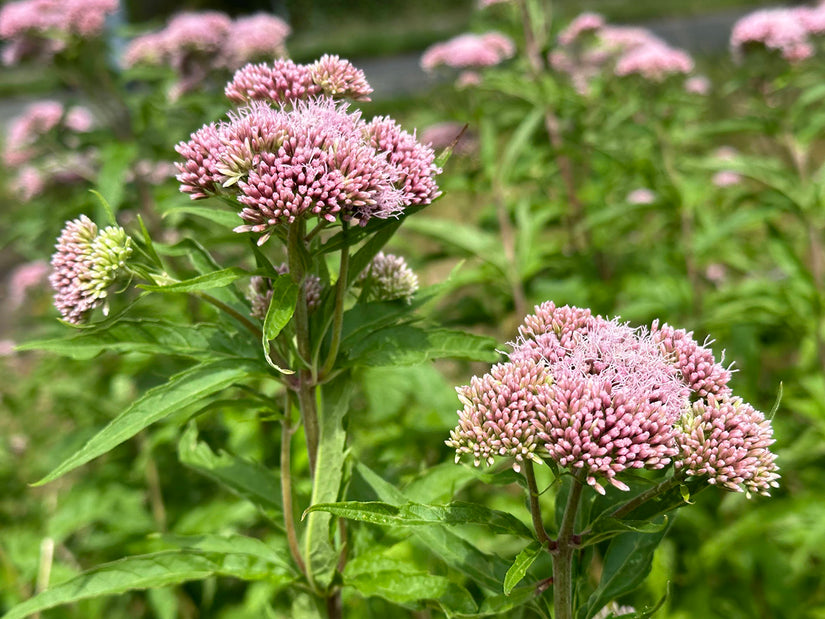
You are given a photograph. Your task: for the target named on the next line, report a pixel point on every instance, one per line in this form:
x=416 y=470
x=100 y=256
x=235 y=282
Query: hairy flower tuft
x=86 y=263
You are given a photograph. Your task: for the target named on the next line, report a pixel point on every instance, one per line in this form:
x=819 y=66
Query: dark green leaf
x=183 y=390
x=143 y=572
x=249 y=480
x=410 y=345
x=416 y=514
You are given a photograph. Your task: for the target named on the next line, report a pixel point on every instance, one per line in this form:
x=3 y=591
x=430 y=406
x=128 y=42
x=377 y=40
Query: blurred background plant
x=596 y=164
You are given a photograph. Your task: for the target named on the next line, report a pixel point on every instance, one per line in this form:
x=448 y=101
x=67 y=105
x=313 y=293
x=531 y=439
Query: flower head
x=586 y=22
x=726 y=178
x=727 y=440
x=313 y=159
x=256 y=37
x=654 y=62
x=86 y=263
x=599 y=397
x=387 y=277
x=641 y=196
x=697 y=85
x=500 y=408
x=469 y=50
x=337 y=77
x=781 y=30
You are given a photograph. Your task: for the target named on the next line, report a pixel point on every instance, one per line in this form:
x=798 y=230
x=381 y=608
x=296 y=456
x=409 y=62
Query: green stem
x=535 y=508
x=646 y=496
x=307 y=377
x=338 y=315
x=563 y=556
x=286 y=486
x=246 y=322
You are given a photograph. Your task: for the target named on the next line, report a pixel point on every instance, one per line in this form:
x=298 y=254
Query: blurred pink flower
x=641 y=196
x=469 y=50
x=26 y=276
x=586 y=22
x=256 y=37
x=37 y=120
x=29 y=183
x=726 y=178
x=654 y=62
x=697 y=85
x=781 y=30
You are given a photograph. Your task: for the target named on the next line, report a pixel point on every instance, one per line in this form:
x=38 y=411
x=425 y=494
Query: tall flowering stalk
x=597 y=398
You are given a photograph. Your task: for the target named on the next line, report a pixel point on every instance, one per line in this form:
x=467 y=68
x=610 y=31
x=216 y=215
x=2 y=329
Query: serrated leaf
x=249 y=480
x=146 y=336
x=521 y=564
x=410 y=345
x=280 y=311
x=417 y=514
x=183 y=390
x=485 y=569
x=143 y=572
x=209 y=281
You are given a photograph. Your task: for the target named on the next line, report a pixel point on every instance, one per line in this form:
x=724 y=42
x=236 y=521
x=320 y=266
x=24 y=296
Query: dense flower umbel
x=86 y=263
x=469 y=50
x=387 y=278
x=727 y=441
x=42 y=28
x=603 y=397
x=314 y=159
x=782 y=30
x=286 y=81
x=256 y=37
x=259 y=293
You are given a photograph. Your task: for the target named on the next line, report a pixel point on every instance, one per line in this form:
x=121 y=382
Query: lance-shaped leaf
x=521 y=564
x=230 y=544
x=159 y=569
x=410 y=345
x=225 y=218
x=486 y=569
x=249 y=480
x=183 y=391
x=417 y=514
x=329 y=465
x=209 y=281
x=202 y=341
x=626 y=565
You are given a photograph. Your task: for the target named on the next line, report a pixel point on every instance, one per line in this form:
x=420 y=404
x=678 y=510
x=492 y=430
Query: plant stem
x=535 y=508
x=286 y=485
x=340 y=296
x=248 y=324
x=563 y=556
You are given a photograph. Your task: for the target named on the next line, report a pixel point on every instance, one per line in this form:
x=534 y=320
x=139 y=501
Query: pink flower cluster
x=589 y=47
x=86 y=262
x=197 y=44
x=599 y=397
x=40 y=29
x=786 y=31
x=469 y=50
x=284 y=81
x=641 y=196
x=37 y=120
x=313 y=159
x=24 y=277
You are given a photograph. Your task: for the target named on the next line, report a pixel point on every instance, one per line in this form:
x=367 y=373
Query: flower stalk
x=563 y=555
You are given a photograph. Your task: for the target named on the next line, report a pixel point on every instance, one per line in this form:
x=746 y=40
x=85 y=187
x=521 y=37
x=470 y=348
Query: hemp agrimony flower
x=387 y=278
x=86 y=263
x=599 y=397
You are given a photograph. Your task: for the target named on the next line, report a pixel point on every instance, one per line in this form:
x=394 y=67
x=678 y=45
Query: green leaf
x=183 y=390
x=417 y=514
x=111 y=220
x=158 y=569
x=607 y=528
x=280 y=311
x=626 y=565
x=209 y=281
x=225 y=218
x=469 y=239
x=249 y=480
x=522 y=563
x=329 y=466
x=410 y=345
x=116 y=157
x=229 y=544
x=485 y=569
x=201 y=341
